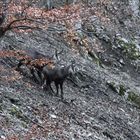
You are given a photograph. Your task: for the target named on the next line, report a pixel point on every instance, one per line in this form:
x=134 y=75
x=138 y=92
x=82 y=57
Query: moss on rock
x=133 y=97
x=129 y=49
x=15 y=111
x=122 y=90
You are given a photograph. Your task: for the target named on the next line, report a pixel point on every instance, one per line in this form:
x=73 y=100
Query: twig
x=77 y=122
x=39 y=125
x=5 y=63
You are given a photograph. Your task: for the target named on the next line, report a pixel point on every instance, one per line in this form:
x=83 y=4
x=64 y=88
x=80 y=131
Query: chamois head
x=69 y=70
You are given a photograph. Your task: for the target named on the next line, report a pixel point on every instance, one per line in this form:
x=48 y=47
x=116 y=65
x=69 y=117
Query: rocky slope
x=102 y=100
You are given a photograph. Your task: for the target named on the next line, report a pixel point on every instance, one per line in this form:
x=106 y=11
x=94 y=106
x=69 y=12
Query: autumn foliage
x=26 y=15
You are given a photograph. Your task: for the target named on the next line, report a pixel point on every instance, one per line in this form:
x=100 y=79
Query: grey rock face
x=100 y=100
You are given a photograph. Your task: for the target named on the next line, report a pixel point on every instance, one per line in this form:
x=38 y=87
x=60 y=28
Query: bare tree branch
x=24 y=27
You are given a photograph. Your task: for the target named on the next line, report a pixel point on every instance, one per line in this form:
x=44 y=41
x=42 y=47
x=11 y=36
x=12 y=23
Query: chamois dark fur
x=57 y=75
x=45 y=73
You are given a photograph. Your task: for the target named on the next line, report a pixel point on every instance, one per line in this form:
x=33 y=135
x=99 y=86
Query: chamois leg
x=40 y=75
x=43 y=82
x=56 y=85
x=48 y=88
x=61 y=87
x=47 y=85
x=51 y=88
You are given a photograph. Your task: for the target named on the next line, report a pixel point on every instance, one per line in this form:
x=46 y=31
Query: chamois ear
x=71 y=69
x=73 y=66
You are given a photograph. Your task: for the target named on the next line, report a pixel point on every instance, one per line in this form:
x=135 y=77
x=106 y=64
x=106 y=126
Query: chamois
x=57 y=75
